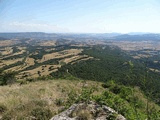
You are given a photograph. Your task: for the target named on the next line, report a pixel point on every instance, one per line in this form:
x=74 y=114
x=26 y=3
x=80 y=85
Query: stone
x=91 y=111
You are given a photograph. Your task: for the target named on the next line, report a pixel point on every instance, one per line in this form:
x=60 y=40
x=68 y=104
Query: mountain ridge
x=105 y=36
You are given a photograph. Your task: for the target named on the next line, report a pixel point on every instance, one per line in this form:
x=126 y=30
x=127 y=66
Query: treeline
x=113 y=64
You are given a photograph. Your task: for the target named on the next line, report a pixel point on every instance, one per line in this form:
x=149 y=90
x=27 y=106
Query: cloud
x=38 y=27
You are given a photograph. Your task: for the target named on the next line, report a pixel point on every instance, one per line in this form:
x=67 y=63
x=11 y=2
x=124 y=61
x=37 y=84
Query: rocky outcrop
x=89 y=111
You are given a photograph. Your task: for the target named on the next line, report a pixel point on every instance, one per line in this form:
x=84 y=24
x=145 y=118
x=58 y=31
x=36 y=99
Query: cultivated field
x=33 y=58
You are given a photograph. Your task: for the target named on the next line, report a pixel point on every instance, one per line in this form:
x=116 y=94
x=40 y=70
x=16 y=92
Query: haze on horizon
x=80 y=16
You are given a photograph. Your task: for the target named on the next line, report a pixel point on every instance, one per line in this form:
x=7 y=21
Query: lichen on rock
x=89 y=111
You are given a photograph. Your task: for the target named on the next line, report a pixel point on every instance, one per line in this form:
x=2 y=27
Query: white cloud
x=35 y=27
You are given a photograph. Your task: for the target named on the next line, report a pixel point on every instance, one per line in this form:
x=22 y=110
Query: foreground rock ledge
x=88 y=111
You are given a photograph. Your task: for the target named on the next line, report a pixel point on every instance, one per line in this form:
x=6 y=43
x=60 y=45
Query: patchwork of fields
x=32 y=59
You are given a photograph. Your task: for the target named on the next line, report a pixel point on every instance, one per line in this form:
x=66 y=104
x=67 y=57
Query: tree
x=7 y=77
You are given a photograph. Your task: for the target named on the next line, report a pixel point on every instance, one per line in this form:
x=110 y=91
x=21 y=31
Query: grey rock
x=120 y=117
x=94 y=112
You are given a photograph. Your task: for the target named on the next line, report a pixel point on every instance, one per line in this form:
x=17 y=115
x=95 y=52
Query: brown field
x=6 y=51
x=44 y=70
x=18 y=53
x=7 y=43
x=21 y=48
x=8 y=62
x=136 y=45
x=16 y=68
x=83 y=59
x=29 y=61
x=47 y=43
x=68 y=60
x=61 y=54
x=1 y=64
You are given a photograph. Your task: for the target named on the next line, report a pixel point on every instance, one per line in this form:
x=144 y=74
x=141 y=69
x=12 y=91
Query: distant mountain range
x=2 y=38
x=39 y=35
x=102 y=36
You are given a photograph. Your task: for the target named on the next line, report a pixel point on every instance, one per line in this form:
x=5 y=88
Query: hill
x=2 y=38
x=84 y=36
x=111 y=63
x=44 y=99
x=26 y=60
x=136 y=37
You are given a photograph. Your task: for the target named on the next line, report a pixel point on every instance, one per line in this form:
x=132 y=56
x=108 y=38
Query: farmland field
x=33 y=58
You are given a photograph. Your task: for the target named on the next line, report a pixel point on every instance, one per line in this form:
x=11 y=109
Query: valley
x=97 y=69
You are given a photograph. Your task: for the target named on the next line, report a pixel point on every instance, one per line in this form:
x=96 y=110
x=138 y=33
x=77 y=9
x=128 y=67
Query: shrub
x=41 y=113
x=30 y=80
x=40 y=103
x=86 y=94
x=59 y=102
x=115 y=89
x=3 y=108
x=8 y=78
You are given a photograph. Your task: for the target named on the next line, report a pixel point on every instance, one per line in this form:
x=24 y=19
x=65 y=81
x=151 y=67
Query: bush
x=3 y=108
x=59 y=102
x=7 y=78
x=40 y=103
x=30 y=80
x=41 y=113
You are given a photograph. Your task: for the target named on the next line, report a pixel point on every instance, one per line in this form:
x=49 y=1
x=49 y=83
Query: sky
x=80 y=16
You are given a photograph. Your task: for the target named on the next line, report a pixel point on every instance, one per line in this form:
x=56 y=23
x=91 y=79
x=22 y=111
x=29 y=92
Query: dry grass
x=68 y=60
x=21 y=48
x=8 y=62
x=6 y=51
x=29 y=61
x=83 y=59
x=31 y=95
x=44 y=70
x=19 y=53
x=47 y=43
x=16 y=68
x=61 y=54
x=7 y=42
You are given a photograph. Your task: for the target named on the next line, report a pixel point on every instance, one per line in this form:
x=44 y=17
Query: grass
x=47 y=98
x=20 y=101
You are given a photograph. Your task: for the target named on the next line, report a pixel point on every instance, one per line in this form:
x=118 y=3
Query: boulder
x=89 y=111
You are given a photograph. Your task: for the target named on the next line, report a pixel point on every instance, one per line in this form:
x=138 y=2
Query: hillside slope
x=44 y=99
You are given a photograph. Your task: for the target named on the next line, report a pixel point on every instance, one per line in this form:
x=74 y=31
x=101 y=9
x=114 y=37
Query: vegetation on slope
x=43 y=99
x=113 y=64
x=7 y=78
